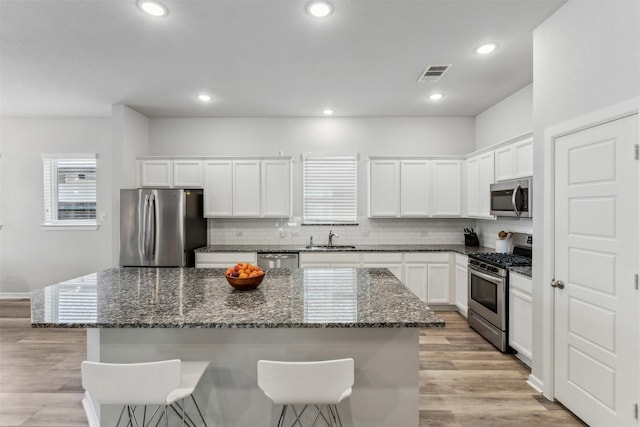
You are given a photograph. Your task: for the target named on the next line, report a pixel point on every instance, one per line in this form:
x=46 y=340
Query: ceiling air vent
x=433 y=73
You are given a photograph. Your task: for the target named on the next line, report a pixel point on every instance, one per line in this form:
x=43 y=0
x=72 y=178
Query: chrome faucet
x=311 y=241
x=331 y=236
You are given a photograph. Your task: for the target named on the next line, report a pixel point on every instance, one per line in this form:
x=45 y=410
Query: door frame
x=547 y=272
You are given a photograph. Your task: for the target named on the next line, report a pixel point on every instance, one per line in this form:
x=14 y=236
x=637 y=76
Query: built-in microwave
x=512 y=198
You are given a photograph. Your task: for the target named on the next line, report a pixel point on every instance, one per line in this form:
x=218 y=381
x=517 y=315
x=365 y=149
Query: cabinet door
x=187 y=173
x=414 y=190
x=461 y=284
x=218 y=189
x=446 y=187
x=246 y=188
x=384 y=188
x=155 y=173
x=486 y=172
x=276 y=188
x=415 y=277
x=520 y=323
x=504 y=163
x=473 y=184
x=523 y=158
x=438 y=283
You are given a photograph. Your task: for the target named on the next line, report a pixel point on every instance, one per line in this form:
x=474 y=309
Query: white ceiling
x=262 y=57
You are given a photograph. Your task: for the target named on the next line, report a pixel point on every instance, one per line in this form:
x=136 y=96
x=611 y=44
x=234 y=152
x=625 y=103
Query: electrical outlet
x=239 y=233
x=424 y=234
x=365 y=234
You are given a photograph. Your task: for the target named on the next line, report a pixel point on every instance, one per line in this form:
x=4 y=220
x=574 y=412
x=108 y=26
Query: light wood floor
x=464 y=381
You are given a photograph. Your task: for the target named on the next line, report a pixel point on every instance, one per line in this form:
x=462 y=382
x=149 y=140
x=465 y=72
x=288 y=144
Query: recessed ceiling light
x=319 y=8
x=486 y=48
x=153 y=8
x=204 y=97
x=436 y=96
x=327 y=111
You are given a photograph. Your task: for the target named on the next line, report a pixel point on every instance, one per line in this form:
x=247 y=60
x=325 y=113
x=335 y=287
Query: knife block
x=471 y=240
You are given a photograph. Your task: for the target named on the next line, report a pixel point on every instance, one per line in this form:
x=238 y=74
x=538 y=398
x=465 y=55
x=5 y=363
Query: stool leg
x=283 y=414
x=166 y=416
x=198 y=409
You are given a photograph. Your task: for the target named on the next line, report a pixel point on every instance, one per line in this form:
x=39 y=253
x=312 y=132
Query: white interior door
x=596 y=313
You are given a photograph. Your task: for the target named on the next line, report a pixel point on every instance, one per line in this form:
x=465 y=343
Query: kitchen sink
x=326 y=247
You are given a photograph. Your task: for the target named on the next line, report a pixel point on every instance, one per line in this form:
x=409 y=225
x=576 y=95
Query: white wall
x=130 y=139
x=586 y=57
x=267 y=136
x=511 y=117
x=38 y=258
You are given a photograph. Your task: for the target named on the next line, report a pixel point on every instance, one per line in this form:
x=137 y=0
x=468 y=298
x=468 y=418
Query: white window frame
x=312 y=207
x=50 y=182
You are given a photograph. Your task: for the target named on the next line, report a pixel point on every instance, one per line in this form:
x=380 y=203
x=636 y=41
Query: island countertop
x=201 y=298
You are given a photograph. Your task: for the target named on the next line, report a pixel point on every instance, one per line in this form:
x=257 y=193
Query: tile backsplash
x=367 y=232
x=488 y=230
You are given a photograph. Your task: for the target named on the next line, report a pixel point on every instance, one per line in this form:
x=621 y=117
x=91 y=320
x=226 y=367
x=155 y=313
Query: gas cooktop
x=503 y=260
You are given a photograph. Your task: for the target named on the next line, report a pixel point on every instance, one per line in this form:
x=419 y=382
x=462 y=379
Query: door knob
x=557 y=284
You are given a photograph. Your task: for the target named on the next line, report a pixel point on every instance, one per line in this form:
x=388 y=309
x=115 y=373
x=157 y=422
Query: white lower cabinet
x=520 y=316
x=428 y=275
x=224 y=259
x=461 y=283
x=390 y=260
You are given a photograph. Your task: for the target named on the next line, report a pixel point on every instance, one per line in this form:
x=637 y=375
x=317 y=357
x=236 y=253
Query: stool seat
x=161 y=384
x=322 y=384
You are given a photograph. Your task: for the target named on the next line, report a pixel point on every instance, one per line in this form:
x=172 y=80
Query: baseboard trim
x=15 y=295
x=535 y=383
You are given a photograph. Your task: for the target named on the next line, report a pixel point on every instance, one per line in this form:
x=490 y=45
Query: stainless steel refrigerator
x=161 y=227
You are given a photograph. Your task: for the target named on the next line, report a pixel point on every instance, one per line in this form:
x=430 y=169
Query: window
x=69 y=190
x=330 y=190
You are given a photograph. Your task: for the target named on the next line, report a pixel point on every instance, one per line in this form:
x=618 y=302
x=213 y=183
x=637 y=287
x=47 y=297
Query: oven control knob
x=557 y=284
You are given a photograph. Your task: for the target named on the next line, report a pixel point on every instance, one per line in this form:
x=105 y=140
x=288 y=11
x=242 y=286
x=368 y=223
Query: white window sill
x=74 y=227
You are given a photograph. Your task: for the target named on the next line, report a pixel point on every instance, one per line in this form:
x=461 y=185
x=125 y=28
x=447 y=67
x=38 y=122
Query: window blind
x=69 y=190
x=329 y=190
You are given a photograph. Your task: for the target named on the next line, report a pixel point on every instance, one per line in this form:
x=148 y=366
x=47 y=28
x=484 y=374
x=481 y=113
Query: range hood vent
x=433 y=73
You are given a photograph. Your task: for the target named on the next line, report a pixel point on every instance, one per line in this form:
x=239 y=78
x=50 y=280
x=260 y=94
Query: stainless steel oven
x=512 y=198
x=488 y=303
x=489 y=289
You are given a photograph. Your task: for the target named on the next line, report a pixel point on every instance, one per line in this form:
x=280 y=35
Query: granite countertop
x=202 y=298
x=525 y=271
x=461 y=249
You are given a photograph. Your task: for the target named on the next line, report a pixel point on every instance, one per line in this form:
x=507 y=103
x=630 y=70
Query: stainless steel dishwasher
x=278 y=260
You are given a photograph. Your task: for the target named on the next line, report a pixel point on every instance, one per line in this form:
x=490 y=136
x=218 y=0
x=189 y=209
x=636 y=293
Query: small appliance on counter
x=161 y=227
x=470 y=237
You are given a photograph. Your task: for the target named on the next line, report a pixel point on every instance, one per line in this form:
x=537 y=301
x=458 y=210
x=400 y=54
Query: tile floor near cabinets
x=464 y=381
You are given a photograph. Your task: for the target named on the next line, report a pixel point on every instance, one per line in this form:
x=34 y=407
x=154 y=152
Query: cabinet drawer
x=520 y=282
x=426 y=257
x=330 y=258
x=226 y=258
x=384 y=257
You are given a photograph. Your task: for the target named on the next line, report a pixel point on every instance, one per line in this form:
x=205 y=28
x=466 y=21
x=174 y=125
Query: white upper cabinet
x=415 y=188
x=384 y=188
x=514 y=160
x=218 y=188
x=276 y=188
x=187 y=173
x=446 y=188
x=155 y=173
x=480 y=173
x=414 y=194
x=182 y=173
x=247 y=188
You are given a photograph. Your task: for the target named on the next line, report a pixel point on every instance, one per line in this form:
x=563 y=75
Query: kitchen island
x=142 y=314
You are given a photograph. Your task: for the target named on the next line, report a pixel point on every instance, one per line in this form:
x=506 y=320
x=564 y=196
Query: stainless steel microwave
x=512 y=198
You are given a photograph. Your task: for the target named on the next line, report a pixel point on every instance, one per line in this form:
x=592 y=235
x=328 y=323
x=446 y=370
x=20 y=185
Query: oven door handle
x=485 y=276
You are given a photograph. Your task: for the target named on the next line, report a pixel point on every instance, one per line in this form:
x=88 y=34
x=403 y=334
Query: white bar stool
x=322 y=384
x=161 y=384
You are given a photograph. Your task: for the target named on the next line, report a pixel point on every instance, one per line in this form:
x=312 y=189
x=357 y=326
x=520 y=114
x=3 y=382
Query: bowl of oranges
x=244 y=276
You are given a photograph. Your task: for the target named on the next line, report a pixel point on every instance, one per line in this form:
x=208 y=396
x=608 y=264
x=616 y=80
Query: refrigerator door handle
x=152 y=227
x=145 y=236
